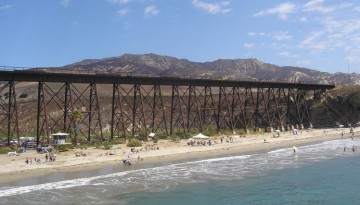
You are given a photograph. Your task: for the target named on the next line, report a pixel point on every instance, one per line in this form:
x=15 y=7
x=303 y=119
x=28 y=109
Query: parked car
x=47 y=149
x=28 y=144
x=13 y=143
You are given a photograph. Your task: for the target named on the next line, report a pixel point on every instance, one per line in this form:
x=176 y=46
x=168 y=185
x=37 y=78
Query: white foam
x=222 y=159
x=56 y=185
x=224 y=168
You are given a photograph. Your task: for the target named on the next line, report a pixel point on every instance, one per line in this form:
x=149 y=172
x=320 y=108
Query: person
x=127 y=162
x=295 y=149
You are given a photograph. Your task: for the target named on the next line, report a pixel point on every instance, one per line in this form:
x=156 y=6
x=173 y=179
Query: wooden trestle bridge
x=144 y=104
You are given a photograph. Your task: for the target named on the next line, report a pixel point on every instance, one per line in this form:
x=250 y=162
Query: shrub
x=115 y=141
x=208 y=133
x=63 y=147
x=181 y=135
x=107 y=145
x=155 y=139
x=97 y=145
x=354 y=100
x=194 y=131
x=83 y=146
x=174 y=138
x=134 y=143
x=161 y=136
x=24 y=95
x=5 y=150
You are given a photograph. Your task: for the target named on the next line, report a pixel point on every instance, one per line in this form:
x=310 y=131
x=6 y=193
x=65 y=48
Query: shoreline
x=15 y=170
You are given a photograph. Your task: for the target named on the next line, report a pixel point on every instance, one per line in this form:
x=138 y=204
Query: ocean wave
x=223 y=168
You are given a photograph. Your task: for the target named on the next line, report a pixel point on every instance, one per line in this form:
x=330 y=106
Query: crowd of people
x=194 y=143
x=48 y=158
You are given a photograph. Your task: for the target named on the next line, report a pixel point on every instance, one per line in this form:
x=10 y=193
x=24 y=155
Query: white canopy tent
x=200 y=136
x=60 y=134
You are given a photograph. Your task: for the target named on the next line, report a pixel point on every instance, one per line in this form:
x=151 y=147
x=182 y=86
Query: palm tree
x=76 y=117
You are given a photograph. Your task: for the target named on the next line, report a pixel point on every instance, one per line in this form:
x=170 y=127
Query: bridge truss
x=143 y=105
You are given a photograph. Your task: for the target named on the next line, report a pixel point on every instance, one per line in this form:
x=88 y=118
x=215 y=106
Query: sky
x=318 y=34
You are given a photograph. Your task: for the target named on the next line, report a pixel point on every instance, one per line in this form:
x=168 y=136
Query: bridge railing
x=12 y=68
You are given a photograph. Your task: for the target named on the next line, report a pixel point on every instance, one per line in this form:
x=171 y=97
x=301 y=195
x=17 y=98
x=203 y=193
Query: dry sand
x=14 y=168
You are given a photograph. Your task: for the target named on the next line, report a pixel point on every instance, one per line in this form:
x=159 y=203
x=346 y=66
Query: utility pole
x=349 y=71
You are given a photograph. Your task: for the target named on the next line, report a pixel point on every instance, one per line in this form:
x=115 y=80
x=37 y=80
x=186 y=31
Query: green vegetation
x=210 y=130
x=76 y=116
x=134 y=143
x=181 y=135
x=5 y=150
x=63 y=147
x=354 y=100
x=24 y=95
x=161 y=136
x=155 y=139
x=83 y=146
x=193 y=131
x=174 y=138
x=107 y=145
x=97 y=145
x=117 y=141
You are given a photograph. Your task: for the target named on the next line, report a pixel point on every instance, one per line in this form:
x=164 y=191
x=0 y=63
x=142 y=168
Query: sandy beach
x=14 y=168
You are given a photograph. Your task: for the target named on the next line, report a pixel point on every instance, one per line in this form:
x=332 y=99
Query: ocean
x=322 y=173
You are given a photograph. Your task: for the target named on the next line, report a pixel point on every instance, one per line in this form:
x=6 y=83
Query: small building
x=59 y=138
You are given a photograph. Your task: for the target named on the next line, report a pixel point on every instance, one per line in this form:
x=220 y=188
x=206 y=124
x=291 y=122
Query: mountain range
x=225 y=69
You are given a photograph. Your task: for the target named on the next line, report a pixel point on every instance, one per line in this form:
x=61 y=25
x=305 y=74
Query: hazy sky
x=317 y=34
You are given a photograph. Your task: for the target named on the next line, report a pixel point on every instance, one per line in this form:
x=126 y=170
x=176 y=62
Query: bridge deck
x=107 y=78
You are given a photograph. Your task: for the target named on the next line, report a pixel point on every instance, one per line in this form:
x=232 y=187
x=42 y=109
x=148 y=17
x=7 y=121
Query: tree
x=76 y=117
x=354 y=100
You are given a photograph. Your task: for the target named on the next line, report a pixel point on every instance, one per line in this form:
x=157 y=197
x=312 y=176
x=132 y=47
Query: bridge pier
x=162 y=105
